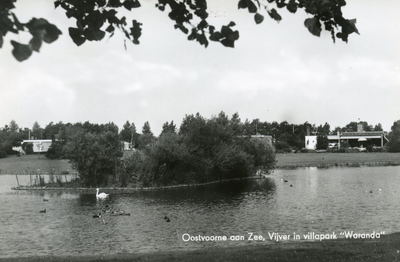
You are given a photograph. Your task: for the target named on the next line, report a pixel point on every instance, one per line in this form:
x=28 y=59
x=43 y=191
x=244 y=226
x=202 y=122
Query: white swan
x=101 y=195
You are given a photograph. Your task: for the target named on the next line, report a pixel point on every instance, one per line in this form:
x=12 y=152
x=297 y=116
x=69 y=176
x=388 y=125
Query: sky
x=276 y=72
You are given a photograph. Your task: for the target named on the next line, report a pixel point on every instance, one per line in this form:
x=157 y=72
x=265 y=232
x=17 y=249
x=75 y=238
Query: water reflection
x=318 y=200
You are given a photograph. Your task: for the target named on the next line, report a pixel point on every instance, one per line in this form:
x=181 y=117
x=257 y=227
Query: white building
x=359 y=139
x=39 y=146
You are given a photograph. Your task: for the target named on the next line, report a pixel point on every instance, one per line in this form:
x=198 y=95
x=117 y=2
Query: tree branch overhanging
x=97 y=18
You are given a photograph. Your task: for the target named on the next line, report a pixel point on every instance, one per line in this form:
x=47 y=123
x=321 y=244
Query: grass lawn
x=29 y=163
x=386 y=248
x=313 y=159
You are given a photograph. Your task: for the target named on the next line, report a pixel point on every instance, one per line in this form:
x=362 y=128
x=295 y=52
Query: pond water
x=362 y=199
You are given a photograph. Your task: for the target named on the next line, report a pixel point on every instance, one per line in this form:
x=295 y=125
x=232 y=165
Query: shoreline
x=323 y=160
x=350 y=164
x=386 y=248
x=130 y=189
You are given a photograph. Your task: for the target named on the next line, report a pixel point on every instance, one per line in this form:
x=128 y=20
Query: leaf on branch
x=95 y=19
x=228 y=43
x=110 y=29
x=21 y=52
x=351 y=26
x=35 y=43
x=274 y=15
x=280 y=3
x=226 y=31
x=201 y=13
x=313 y=25
x=325 y=5
x=46 y=31
x=114 y=3
x=182 y=28
x=94 y=34
x=342 y=36
x=216 y=36
x=333 y=35
x=193 y=35
x=202 y=39
x=129 y=4
x=251 y=6
x=57 y=3
x=227 y=36
x=211 y=29
x=160 y=7
x=258 y=18
x=203 y=24
x=242 y=4
x=76 y=36
x=292 y=6
x=52 y=33
x=136 y=31
x=17 y=23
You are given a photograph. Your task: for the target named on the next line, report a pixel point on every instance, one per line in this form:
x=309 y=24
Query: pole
x=17 y=179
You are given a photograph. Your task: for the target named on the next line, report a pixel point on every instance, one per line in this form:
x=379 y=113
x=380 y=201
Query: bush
x=55 y=151
x=230 y=161
x=27 y=147
x=133 y=165
x=282 y=147
x=3 y=153
x=322 y=142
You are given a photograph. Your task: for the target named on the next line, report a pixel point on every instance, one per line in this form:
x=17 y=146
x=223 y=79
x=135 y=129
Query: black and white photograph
x=195 y=130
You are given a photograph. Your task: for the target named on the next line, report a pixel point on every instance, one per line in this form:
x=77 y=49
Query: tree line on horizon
x=286 y=136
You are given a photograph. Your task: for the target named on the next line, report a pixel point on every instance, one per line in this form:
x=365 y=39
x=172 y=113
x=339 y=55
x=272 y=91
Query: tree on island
x=94 y=155
x=203 y=150
x=97 y=18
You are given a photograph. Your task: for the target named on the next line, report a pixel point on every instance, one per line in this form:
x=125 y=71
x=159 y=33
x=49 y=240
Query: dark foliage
x=394 y=137
x=3 y=153
x=55 y=151
x=322 y=142
x=203 y=150
x=27 y=147
x=94 y=155
x=97 y=18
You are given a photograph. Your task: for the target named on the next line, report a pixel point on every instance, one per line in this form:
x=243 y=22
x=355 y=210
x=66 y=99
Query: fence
x=41 y=178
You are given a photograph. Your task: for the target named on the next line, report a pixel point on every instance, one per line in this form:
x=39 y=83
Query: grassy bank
x=386 y=248
x=330 y=159
x=31 y=163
